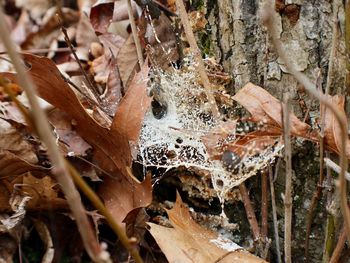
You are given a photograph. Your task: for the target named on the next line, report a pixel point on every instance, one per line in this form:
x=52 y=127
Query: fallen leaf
x=332 y=130
x=111 y=147
x=85 y=35
x=50 y=30
x=106 y=71
x=133 y=106
x=18 y=205
x=12 y=165
x=252 y=143
x=44 y=192
x=189 y=242
x=11 y=140
x=215 y=137
x=127 y=61
x=72 y=142
x=118 y=199
x=267 y=110
x=101 y=16
x=160 y=40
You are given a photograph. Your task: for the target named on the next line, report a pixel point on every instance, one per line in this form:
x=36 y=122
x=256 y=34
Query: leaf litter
x=158 y=117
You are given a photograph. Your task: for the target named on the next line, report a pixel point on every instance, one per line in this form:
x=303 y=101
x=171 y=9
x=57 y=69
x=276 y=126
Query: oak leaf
x=267 y=110
x=111 y=146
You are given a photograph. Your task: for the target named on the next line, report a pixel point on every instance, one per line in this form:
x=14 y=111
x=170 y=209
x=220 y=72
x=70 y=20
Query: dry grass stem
x=62 y=174
x=274 y=211
x=288 y=192
x=339 y=247
x=135 y=34
x=86 y=77
x=198 y=57
x=270 y=22
x=250 y=212
x=264 y=205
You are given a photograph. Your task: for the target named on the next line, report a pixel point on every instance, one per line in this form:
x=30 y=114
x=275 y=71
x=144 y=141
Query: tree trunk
x=241 y=44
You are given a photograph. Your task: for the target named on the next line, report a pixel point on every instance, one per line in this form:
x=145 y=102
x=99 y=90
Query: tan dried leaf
x=111 y=147
x=127 y=61
x=188 y=242
x=266 y=109
x=11 y=140
x=332 y=130
x=132 y=108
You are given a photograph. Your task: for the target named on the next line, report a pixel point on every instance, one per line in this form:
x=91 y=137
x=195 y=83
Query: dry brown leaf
x=44 y=192
x=11 y=140
x=212 y=140
x=101 y=16
x=132 y=108
x=127 y=61
x=119 y=201
x=332 y=131
x=160 y=39
x=252 y=143
x=74 y=145
x=266 y=109
x=189 y=242
x=106 y=71
x=111 y=147
x=50 y=30
x=12 y=165
x=85 y=35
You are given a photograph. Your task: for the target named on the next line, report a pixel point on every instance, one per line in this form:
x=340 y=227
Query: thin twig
x=330 y=228
x=86 y=77
x=43 y=128
x=335 y=167
x=198 y=57
x=250 y=212
x=270 y=22
x=314 y=200
x=274 y=212
x=339 y=247
x=264 y=206
x=42 y=50
x=134 y=34
x=59 y=8
x=288 y=201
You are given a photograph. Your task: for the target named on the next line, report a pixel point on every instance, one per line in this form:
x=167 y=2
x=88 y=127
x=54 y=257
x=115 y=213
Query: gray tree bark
x=241 y=44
